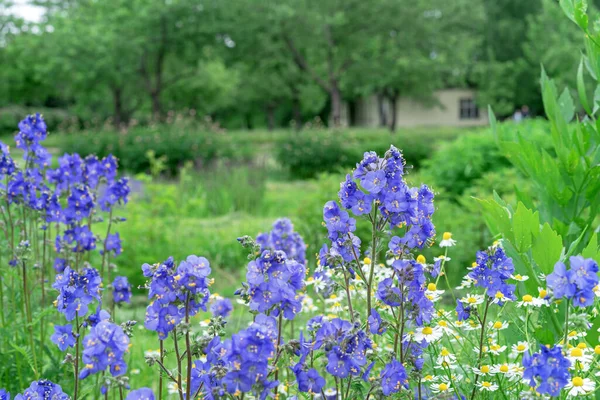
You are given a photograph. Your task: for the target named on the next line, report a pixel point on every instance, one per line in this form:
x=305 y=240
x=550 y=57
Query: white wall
x=411 y=113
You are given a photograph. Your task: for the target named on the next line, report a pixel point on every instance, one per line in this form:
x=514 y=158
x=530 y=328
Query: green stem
x=485 y=313
x=566 y=325
x=373 y=259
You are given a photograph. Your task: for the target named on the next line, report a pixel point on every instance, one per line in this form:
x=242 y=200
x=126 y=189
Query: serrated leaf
x=581 y=88
x=565 y=103
x=591 y=250
x=496 y=217
x=526 y=225
x=547 y=249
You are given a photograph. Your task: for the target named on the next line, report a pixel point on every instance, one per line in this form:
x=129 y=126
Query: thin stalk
x=178 y=364
x=566 y=324
x=279 y=324
x=160 y=375
x=485 y=313
x=373 y=260
x=76 y=365
x=105 y=242
x=29 y=319
x=348 y=296
x=188 y=348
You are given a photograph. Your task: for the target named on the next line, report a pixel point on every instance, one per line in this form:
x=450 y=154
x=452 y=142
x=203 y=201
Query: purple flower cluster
x=548 y=370
x=175 y=291
x=393 y=378
x=577 y=283
x=42 y=389
x=221 y=308
x=77 y=291
x=273 y=282
x=104 y=347
x=121 y=290
x=493 y=268
x=282 y=237
x=340 y=226
x=244 y=359
x=345 y=345
x=382 y=185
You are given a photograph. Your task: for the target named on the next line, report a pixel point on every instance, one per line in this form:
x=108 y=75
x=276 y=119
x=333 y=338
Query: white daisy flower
x=472 y=299
x=580 y=387
x=466 y=283
x=520 y=347
x=428 y=334
x=580 y=358
x=447 y=240
x=510 y=371
x=204 y=323
x=471 y=325
x=486 y=385
x=443 y=387
x=530 y=301
x=496 y=349
x=444 y=326
x=446 y=357
x=483 y=370
x=519 y=277
x=498 y=325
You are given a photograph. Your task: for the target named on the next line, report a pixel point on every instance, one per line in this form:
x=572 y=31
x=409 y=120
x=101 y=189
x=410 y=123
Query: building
x=455 y=107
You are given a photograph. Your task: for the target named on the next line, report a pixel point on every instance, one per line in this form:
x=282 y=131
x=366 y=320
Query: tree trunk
x=156 y=106
x=382 y=112
x=296 y=110
x=336 y=105
x=394 y=106
x=118 y=108
x=271 y=116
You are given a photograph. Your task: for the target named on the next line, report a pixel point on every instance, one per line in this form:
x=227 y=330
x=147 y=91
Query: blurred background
x=229 y=114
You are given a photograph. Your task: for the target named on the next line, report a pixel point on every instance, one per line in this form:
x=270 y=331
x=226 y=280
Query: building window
x=468 y=109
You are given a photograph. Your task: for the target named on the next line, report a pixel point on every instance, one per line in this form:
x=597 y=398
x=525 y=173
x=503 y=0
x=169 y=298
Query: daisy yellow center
x=486 y=384
x=577 y=381
x=497 y=325
x=447 y=236
x=499 y=295
x=504 y=368
x=597 y=349
x=518 y=277
x=543 y=293
x=473 y=264
x=428 y=378
x=445 y=353
x=431 y=287
x=367 y=260
x=521 y=347
x=443 y=387
x=527 y=298
x=421 y=259
x=427 y=331
x=582 y=345
x=472 y=300
x=576 y=352
x=443 y=323
x=572 y=333
x=485 y=369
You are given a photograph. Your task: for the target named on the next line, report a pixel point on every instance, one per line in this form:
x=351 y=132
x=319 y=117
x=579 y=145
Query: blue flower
x=282 y=237
x=375 y=323
x=141 y=394
x=32 y=130
x=388 y=293
x=221 y=307
x=115 y=193
x=63 y=336
x=462 y=312
x=43 y=389
x=576 y=283
x=4 y=395
x=547 y=369
x=309 y=381
x=113 y=243
x=121 y=290
x=104 y=347
x=393 y=377
x=492 y=271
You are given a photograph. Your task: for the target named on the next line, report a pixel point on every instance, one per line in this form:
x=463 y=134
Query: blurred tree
x=420 y=47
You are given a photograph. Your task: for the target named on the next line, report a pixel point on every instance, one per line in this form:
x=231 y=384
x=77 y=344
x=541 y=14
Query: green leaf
x=580 y=14
x=526 y=224
x=592 y=250
x=575 y=244
x=547 y=249
x=565 y=103
x=496 y=217
x=581 y=88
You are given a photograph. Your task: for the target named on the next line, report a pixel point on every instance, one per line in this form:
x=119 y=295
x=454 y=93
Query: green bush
x=456 y=165
x=312 y=152
x=177 y=146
